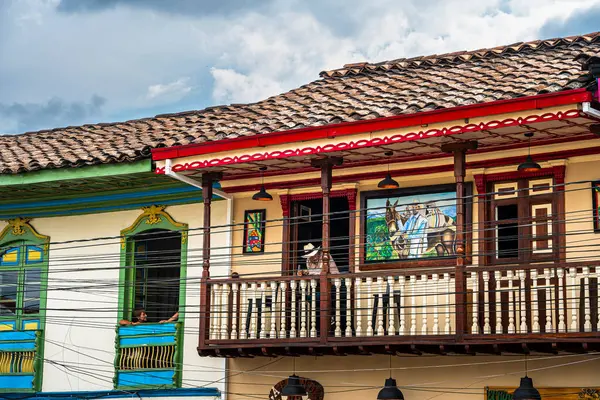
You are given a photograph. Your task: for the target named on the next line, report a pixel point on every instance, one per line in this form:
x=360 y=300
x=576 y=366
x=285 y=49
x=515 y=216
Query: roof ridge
x=456 y=56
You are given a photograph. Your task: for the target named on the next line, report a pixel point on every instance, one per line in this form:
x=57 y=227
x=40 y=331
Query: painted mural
x=411 y=226
x=596 y=205
x=254 y=231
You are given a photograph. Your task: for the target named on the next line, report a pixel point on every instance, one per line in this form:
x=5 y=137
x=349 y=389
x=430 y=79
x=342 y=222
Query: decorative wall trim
x=379 y=141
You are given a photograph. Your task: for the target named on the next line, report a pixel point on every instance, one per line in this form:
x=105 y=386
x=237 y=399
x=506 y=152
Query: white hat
x=310 y=250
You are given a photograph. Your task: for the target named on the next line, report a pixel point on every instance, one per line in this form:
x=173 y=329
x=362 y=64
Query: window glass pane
x=508 y=232
x=31 y=291
x=8 y=292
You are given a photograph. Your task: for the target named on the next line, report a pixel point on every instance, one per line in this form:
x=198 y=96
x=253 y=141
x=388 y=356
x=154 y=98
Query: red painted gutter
x=379 y=124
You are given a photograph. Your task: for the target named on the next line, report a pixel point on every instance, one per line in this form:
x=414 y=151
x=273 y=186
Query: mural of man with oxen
x=422 y=230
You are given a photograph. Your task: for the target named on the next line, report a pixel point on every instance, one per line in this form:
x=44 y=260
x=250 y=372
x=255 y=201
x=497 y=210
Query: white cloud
x=233 y=87
x=169 y=91
x=135 y=56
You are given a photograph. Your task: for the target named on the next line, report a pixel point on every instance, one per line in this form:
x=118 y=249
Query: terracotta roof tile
x=358 y=91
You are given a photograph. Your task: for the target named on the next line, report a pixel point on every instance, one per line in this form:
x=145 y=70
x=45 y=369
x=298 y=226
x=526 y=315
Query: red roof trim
x=379 y=124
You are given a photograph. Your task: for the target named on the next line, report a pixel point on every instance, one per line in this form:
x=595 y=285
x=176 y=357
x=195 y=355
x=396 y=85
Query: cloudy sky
x=68 y=62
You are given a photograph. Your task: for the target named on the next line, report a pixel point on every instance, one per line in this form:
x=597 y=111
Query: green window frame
x=153 y=218
x=23 y=293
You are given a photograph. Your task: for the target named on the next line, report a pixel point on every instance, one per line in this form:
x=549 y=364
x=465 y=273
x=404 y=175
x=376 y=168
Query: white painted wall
x=81 y=322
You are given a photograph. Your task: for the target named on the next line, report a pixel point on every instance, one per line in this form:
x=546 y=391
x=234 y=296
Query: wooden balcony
x=520 y=309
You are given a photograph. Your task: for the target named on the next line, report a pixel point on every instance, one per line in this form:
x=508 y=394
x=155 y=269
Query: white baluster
x=217 y=312
x=587 y=325
x=436 y=320
x=369 y=306
x=234 y=312
x=425 y=312
x=598 y=296
x=402 y=284
x=263 y=310
x=497 y=277
x=447 y=327
x=549 y=303
x=244 y=310
x=338 y=319
x=313 y=308
x=413 y=315
x=273 y=314
x=535 y=328
x=487 y=328
x=213 y=311
x=282 y=310
x=254 y=313
x=573 y=275
x=475 y=288
x=358 y=294
x=522 y=303
x=511 y=304
x=225 y=312
x=348 y=282
x=391 y=319
x=303 y=285
x=380 y=289
x=293 y=313
x=562 y=326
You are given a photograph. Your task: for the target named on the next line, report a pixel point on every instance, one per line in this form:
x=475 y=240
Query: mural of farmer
x=415 y=229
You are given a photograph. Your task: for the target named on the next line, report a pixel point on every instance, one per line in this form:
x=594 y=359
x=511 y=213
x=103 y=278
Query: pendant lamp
x=262 y=194
x=293 y=389
x=388 y=182
x=529 y=165
x=390 y=389
x=526 y=390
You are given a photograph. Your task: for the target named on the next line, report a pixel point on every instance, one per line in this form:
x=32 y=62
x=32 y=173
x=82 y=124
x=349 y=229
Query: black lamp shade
x=262 y=195
x=390 y=391
x=529 y=165
x=388 y=183
x=526 y=391
x=293 y=388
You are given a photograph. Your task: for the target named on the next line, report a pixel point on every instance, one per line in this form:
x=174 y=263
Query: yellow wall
x=420 y=377
x=578 y=202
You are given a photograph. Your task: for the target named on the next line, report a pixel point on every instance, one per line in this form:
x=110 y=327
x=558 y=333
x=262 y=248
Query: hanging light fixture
x=388 y=182
x=262 y=194
x=294 y=389
x=529 y=165
x=526 y=390
x=390 y=390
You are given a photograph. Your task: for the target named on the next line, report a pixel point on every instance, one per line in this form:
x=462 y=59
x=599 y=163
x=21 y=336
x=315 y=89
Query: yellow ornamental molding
x=153 y=214
x=19 y=225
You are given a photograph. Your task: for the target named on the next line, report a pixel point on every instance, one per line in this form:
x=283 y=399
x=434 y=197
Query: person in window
x=140 y=317
x=314 y=261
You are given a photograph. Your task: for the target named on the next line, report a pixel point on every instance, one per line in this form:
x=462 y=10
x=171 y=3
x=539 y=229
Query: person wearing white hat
x=314 y=261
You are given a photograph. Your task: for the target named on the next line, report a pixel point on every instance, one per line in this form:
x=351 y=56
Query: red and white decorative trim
x=386 y=140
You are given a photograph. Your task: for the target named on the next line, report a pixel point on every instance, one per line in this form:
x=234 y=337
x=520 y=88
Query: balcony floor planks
x=413 y=345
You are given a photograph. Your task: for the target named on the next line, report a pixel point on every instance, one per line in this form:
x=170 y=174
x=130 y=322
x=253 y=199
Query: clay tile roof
x=357 y=91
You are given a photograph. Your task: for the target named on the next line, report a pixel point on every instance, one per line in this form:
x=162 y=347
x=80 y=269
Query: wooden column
x=207 y=193
x=326 y=165
x=286 y=267
x=459 y=150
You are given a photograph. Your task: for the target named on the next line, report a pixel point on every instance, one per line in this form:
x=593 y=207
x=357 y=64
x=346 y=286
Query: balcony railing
x=404 y=307
x=148 y=355
x=20 y=365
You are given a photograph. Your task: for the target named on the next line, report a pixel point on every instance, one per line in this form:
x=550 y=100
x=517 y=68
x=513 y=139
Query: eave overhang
x=496 y=124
